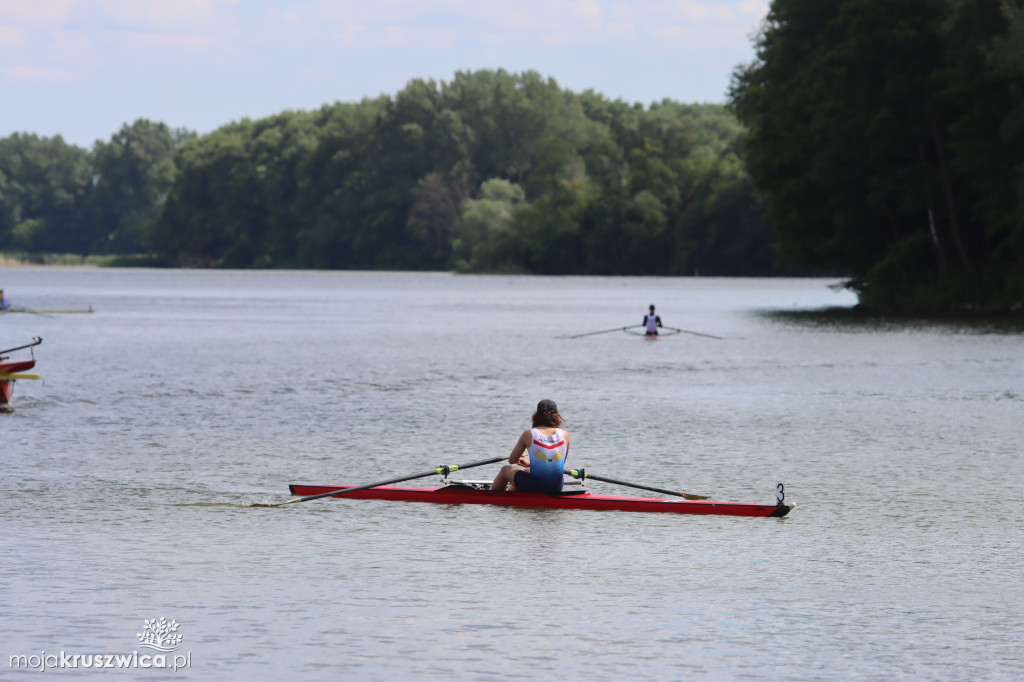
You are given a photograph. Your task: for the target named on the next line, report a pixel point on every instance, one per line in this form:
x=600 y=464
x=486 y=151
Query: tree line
x=59 y=198
x=491 y=172
x=888 y=139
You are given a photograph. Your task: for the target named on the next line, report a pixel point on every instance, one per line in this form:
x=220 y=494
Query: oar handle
x=582 y=474
x=444 y=469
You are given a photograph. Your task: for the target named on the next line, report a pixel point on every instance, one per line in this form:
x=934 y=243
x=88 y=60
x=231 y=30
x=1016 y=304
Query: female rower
x=652 y=322
x=540 y=454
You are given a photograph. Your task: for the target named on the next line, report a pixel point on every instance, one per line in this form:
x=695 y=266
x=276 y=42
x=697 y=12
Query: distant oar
x=603 y=331
x=581 y=473
x=444 y=470
x=47 y=312
x=687 y=331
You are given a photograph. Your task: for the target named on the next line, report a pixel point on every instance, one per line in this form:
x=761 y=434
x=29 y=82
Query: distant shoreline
x=75 y=260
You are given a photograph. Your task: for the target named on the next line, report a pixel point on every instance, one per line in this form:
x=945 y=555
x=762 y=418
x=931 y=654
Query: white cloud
x=77 y=40
x=317 y=75
x=105 y=33
x=37 y=12
x=757 y=8
x=587 y=12
x=152 y=14
x=185 y=42
x=189 y=14
x=11 y=37
x=39 y=74
x=350 y=34
x=411 y=23
x=397 y=36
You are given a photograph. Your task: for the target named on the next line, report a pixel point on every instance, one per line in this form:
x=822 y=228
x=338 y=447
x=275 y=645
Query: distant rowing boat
x=631 y=330
x=472 y=493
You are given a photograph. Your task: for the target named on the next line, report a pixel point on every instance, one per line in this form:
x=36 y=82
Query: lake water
x=130 y=473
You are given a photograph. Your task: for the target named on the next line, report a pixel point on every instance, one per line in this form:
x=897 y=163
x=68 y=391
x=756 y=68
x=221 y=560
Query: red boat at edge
x=11 y=369
x=578 y=499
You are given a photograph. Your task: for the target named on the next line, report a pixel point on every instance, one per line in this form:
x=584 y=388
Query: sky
x=83 y=68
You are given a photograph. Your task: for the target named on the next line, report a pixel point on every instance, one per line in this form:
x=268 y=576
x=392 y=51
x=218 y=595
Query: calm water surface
x=129 y=477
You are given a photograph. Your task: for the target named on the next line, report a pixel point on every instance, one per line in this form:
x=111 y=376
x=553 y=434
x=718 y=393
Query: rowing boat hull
x=574 y=500
x=8 y=367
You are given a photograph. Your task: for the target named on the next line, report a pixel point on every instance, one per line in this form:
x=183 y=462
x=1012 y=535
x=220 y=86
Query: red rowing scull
x=577 y=499
x=10 y=370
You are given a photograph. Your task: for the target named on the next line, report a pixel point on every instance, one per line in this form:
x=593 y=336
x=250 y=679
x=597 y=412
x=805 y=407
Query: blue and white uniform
x=547 y=463
x=651 y=322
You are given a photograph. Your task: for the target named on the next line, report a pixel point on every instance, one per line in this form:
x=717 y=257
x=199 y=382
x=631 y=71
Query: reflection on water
x=133 y=476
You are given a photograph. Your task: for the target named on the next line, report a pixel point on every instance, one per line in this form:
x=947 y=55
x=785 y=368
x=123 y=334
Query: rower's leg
x=504 y=478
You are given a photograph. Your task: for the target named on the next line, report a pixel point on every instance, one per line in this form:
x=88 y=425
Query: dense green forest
x=492 y=172
x=59 y=198
x=888 y=139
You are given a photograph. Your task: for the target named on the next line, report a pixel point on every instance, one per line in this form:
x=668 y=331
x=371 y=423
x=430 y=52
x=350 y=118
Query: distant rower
x=652 y=322
x=4 y=303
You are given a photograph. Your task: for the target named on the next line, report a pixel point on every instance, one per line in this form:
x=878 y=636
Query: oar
x=19 y=375
x=444 y=470
x=48 y=312
x=687 y=331
x=581 y=473
x=24 y=310
x=603 y=331
x=36 y=340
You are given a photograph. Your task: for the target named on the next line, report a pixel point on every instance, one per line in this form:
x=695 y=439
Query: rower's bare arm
x=520 y=447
